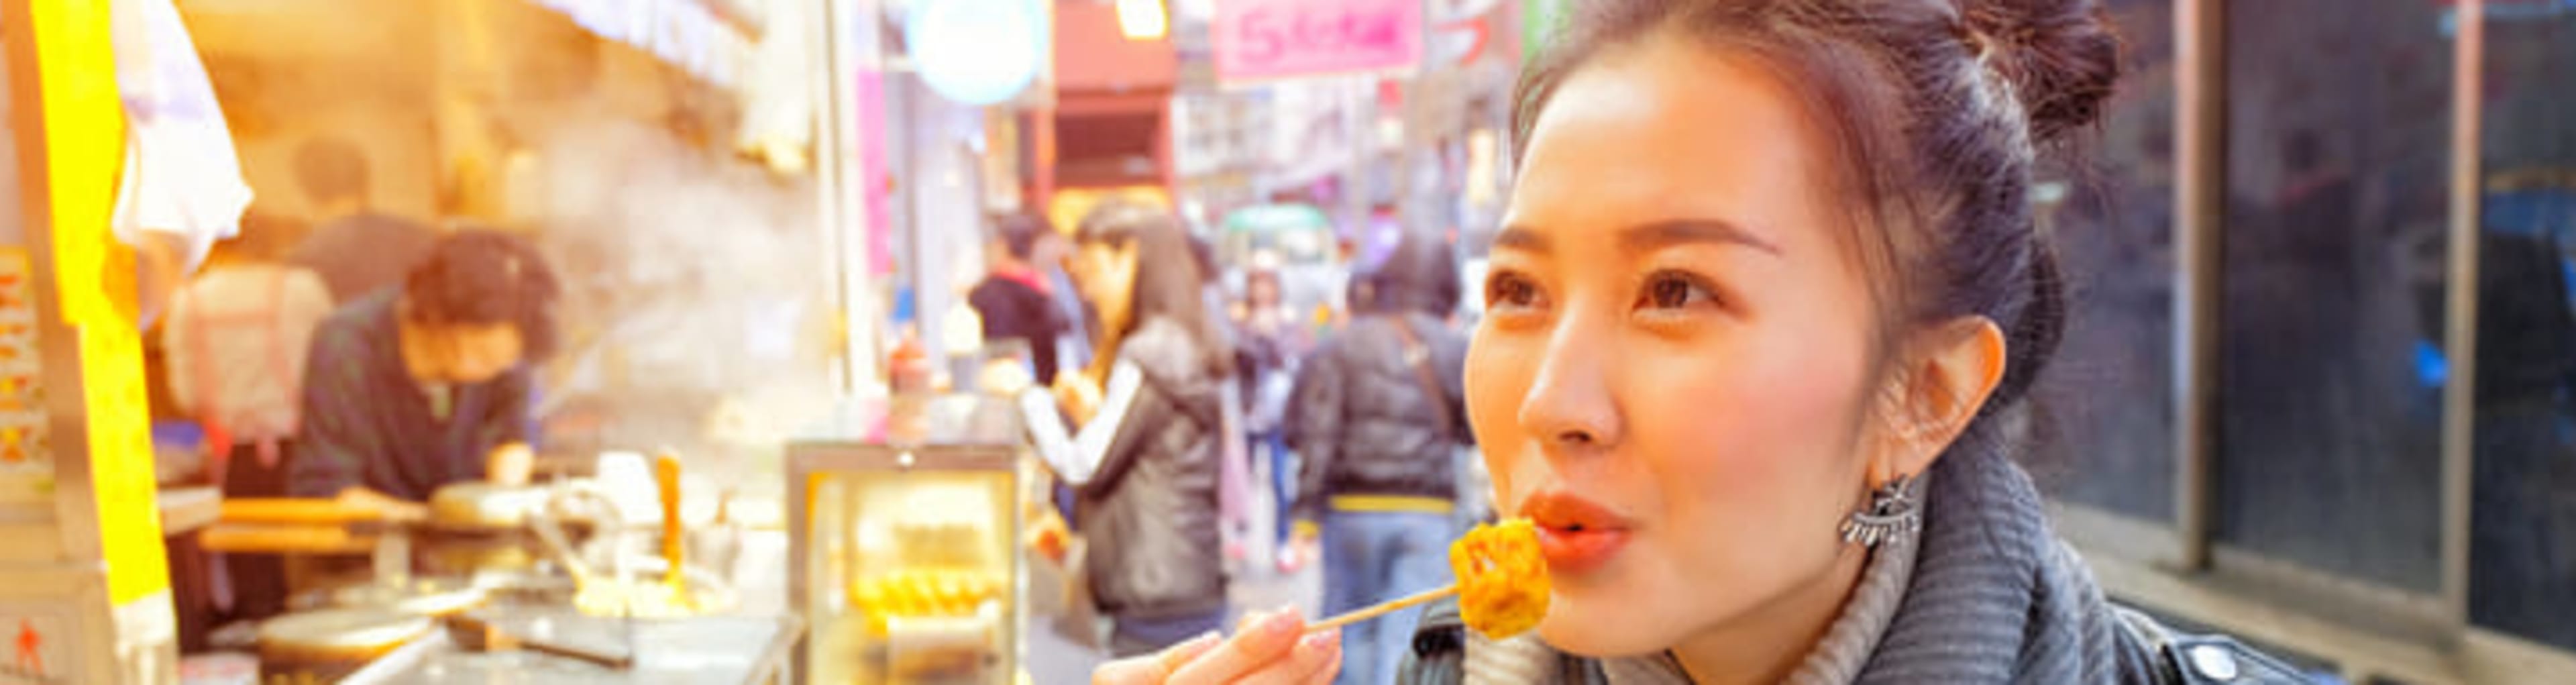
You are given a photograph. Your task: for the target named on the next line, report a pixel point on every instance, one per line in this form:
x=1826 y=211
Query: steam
x=697 y=300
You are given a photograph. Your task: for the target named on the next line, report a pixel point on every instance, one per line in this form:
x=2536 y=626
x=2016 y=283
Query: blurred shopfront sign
x=1271 y=39
x=683 y=32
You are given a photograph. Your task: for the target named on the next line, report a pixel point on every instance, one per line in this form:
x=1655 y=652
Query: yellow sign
x=83 y=129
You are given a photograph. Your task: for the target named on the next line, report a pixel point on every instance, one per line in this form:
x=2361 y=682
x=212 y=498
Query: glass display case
x=904 y=537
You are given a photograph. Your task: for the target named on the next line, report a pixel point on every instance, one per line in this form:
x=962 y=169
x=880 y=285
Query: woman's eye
x=1507 y=291
x=1675 y=291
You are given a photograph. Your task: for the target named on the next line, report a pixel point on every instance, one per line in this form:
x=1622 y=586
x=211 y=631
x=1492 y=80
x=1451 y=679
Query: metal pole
x=2200 y=206
x=836 y=229
x=2459 y=396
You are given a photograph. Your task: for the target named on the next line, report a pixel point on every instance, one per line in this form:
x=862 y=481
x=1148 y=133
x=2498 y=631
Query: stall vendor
x=417 y=387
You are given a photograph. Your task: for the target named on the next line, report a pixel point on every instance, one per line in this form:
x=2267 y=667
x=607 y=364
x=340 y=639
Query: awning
x=688 y=34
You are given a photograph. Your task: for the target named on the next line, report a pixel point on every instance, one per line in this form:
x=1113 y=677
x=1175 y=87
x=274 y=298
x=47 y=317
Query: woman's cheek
x=1498 y=377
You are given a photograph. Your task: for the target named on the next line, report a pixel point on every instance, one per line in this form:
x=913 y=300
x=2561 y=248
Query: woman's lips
x=1575 y=534
x=1576 y=551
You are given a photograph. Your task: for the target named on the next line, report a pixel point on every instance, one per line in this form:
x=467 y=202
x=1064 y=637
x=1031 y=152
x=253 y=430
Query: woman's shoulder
x=1157 y=338
x=1166 y=351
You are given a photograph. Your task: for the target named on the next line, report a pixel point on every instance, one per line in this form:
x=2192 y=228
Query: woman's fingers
x=1263 y=643
x=1332 y=669
x=1268 y=649
x=1316 y=659
x=1155 y=669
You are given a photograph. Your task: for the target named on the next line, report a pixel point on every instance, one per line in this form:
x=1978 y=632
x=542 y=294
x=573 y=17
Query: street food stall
x=628 y=575
x=532 y=117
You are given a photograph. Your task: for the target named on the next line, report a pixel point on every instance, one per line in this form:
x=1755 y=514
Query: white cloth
x=181 y=176
x=235 y=343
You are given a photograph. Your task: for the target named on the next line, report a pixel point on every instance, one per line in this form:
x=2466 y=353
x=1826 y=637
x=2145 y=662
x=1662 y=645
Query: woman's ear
x=1938 y=389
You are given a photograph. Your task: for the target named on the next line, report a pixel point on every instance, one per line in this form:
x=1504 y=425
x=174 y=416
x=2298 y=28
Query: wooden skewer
x=1384 y=608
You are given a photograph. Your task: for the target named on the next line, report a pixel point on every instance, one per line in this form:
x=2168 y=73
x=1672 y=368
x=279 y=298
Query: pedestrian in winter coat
x=1377 y=420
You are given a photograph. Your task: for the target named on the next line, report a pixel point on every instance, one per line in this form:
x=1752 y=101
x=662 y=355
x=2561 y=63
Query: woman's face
x=1105 y=272
x=1673 y=373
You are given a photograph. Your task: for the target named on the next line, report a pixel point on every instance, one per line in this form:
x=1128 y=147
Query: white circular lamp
x=976 y=52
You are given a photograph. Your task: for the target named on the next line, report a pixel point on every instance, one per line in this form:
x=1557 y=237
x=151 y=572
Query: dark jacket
x=1362 y=421
x=366 y=422
x=1994 y=597
x=1149 y=513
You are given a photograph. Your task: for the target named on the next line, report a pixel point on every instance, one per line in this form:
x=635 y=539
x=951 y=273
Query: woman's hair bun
x=2061 y=57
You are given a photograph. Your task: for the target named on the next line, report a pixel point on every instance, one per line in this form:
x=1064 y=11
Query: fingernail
x=1324 y=640
x=1282 y=623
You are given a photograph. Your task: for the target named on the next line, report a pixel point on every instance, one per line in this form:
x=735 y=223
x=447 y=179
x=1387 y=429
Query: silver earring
x=1892 y=514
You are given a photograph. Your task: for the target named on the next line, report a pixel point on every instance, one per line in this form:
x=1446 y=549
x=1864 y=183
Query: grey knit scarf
x=1988 y=595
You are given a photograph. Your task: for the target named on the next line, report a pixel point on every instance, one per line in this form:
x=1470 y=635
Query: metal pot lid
x=477 y=504
x=346 y=628
x=422 y=597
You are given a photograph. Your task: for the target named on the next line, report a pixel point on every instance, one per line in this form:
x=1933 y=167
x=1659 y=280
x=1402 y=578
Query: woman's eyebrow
x=1657 y=235
x=1647 y=237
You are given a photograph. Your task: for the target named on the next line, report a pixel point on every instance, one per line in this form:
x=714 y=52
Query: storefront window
x=2522 y=576
x=2333 y=280
x=2105 y=429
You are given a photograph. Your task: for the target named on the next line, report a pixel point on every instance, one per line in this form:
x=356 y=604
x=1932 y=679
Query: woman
x=1144 y=463
x=1767 y=297
x=411 y=389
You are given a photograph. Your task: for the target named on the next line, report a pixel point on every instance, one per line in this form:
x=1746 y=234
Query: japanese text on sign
x=1258 y=39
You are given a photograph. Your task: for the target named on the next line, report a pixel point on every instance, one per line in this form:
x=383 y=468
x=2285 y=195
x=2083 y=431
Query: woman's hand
x=1078 y=395
x=1266 y=649
x=1050 y=538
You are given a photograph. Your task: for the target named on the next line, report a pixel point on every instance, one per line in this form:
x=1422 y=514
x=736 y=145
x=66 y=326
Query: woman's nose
x=1569 y=407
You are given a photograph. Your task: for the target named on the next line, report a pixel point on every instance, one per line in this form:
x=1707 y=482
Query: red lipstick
x=1575 y=534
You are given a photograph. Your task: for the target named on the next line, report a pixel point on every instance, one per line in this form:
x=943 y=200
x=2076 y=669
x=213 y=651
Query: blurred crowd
x=1219 y=429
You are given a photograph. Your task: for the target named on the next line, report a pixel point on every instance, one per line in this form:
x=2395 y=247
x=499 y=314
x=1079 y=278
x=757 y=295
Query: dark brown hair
x=1169 y=284
x=1937 y=111
x=479 y=277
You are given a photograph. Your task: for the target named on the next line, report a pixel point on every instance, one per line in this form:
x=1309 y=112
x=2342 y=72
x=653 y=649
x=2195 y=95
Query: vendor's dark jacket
x=1149 y=513
x=367 y=422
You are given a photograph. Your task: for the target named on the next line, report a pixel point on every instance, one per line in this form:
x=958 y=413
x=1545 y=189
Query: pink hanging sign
x=1268 y=39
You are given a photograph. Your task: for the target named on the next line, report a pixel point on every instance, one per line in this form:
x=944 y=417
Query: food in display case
x=925 y=593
